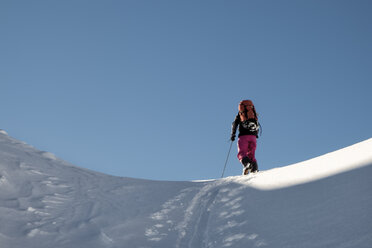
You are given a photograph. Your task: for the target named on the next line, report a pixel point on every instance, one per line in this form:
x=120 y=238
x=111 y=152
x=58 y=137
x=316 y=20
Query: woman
x=247 y=122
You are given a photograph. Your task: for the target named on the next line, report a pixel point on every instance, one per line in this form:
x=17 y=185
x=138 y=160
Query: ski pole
x=227 y=158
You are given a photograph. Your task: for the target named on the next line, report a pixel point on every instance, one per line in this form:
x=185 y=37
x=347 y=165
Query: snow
x=322 y=202
x=337 y=162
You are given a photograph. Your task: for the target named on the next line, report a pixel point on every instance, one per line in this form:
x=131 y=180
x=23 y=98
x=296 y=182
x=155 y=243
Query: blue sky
x=148 y=89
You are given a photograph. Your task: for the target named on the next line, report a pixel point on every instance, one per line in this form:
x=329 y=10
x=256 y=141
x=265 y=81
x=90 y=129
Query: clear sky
x=149 y=89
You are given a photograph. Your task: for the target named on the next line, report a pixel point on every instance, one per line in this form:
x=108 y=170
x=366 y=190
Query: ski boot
x=254 y=167
x=247 y=165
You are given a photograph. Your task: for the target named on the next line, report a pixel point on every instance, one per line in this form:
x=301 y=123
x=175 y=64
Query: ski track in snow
x=193 y=228
x=193 y=220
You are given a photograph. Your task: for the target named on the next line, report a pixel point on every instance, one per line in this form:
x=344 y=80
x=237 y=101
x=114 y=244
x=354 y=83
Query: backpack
x=247 y=111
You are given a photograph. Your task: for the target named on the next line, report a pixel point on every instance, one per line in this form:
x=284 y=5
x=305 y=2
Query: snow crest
x=322 y=202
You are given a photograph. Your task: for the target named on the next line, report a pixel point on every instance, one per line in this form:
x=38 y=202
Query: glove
x=232 y=137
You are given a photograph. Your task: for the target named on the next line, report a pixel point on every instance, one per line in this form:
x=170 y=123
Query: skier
x=247 y=122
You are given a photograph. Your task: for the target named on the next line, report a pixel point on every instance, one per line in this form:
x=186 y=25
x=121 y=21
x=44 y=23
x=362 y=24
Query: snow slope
x=47 y=202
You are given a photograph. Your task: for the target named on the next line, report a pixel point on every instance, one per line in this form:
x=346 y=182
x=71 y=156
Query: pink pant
x=247 y=147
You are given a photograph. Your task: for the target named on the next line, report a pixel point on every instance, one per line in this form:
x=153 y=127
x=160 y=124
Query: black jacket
x=248 y=127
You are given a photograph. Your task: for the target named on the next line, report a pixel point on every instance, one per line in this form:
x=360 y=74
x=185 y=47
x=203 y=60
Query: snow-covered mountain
x=47 y=202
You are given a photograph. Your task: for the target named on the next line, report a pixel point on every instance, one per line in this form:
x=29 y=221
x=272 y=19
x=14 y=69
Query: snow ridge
x=322 y=202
